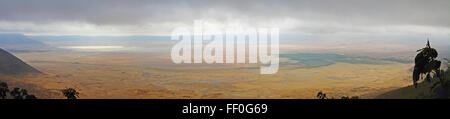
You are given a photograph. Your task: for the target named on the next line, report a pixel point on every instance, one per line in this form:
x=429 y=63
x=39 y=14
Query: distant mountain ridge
x=19 y=42
x=11 y=65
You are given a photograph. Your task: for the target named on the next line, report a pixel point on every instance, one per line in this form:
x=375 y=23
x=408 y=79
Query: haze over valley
x=122 y=49
x=141 y=68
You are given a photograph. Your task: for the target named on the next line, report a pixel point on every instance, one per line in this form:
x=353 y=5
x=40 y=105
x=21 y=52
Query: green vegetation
x=310 y=60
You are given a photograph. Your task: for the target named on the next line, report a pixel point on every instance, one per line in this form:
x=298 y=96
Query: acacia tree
x=426 y=64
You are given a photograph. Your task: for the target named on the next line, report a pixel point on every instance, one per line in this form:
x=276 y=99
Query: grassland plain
x=145 y=75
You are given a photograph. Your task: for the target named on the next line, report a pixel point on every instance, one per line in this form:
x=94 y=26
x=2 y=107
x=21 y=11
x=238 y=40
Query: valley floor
x=140 y=75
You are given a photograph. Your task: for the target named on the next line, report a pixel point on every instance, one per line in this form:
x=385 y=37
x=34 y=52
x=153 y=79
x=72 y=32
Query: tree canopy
x=70 y=93
x=16 y=93
x=426 y=64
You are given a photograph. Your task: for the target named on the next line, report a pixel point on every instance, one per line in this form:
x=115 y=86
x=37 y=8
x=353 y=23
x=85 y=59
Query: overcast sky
x=142 y=17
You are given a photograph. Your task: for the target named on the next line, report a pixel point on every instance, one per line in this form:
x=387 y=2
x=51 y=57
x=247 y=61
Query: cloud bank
x=159 y=17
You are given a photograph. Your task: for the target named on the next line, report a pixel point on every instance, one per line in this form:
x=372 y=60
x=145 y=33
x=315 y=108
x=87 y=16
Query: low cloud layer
x=142 y=17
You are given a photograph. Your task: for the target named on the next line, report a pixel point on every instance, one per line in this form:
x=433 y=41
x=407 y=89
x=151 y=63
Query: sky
x=159 y=17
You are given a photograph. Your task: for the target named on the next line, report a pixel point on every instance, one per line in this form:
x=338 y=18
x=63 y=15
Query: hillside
x=424 y=90
x=11 y=65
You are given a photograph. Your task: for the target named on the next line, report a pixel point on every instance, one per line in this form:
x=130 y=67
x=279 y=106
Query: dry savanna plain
x=144 y=75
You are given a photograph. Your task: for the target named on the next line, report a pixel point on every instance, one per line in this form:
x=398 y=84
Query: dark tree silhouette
x=70 y=93
x=443 y=78
x=321 y=95
x=426 y=64
x=346 y=97
x=30 y=97
x=3 y=90
x=18 y=93
x=354 y=97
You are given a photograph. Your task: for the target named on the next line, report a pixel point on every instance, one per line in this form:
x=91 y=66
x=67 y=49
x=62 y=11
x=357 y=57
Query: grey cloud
x=137 y=12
